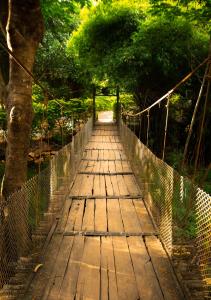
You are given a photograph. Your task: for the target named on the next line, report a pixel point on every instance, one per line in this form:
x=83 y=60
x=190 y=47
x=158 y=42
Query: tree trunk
x=24 y=32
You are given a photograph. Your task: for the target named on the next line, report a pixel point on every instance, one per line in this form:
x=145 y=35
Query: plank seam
x=105 y=173
x=107 y=233
x=72 y=197
x=99 y=159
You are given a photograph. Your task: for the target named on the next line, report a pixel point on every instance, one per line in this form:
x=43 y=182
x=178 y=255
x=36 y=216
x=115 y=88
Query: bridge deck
x=105 y=245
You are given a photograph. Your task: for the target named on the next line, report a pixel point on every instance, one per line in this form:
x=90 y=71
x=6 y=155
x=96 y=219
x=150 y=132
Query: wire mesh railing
x=23 y=211
x=173 y=200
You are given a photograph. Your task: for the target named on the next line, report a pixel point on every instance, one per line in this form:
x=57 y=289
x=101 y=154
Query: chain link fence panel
x=23 y=211
x=172 y=200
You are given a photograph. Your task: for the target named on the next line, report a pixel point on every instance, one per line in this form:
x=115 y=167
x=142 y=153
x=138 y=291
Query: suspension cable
x=194 y=116
x=140 y=123
x=148 y=116
x=36 y=81
x=202 y=123
x=172 y=90
x=6 y=48
x=166 y=126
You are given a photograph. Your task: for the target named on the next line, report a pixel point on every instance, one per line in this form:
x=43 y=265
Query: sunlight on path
x=105 y=116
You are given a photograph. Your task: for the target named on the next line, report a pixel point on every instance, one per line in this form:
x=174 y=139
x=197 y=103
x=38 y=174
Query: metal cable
x=166 y=126
x=172 y=90
x=148 y=116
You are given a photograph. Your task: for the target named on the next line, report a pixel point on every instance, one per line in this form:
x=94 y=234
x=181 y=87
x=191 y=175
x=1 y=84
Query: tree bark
x=24 y=32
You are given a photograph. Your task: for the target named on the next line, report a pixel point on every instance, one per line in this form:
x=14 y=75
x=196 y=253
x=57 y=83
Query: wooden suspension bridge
x=105 y=244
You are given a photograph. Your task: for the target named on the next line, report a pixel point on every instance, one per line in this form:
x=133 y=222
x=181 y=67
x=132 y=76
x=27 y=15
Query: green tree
x=53 y=67
x=24 y=32
x=140 y=47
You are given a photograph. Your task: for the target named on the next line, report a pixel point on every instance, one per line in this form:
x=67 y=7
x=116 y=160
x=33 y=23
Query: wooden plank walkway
x=105 y=245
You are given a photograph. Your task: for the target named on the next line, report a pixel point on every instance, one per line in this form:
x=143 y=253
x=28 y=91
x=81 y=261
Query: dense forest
x=144 y=47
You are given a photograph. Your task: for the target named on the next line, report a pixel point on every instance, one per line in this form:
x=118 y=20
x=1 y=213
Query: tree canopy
x=141 y=46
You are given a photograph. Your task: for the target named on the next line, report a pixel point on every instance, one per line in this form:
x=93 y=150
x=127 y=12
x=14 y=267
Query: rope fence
x=24 y=210
x=173 y=201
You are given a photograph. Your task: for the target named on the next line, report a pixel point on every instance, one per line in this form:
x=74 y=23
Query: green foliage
x=138 y=48
x=105 y=103
x=127 y=102
x=57 y=71
x=166 y=48
x=56 y=112
x=179 y=105
x=174 y=158
x=107 y=29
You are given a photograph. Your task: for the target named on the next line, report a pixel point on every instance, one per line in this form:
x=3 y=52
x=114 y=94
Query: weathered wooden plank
x=114 y=216
x=115 y=186
x=118 y=166
x=103 y=197
x=104 y=146
x=147 y=283
x=143 y=216
x=53 y=288
x=88 y=167
x=75 y=190
x=105 y=133
x=88 y=285
x=122 y=155
x=102 y=185
x=96 y=168
x=108 y=233
x=79 y=216
x=118 y=154
x=100 y=215
x=104 y=166
x=108 y=271
x=126 y=282
x=112 y=167
x=123 y=190
x=131 y=184
x=69 y=284
x=125 y=166
x=129 y=216
x=109 y=186
x=96 y=185
x=76 y=209
x=88 y=220
x=92 y=154
x=163 y=269
x=64 y=215
x=86 y=187
x=42 y=278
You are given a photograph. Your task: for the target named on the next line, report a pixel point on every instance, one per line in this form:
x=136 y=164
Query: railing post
x=117 y=106
x=94 y=105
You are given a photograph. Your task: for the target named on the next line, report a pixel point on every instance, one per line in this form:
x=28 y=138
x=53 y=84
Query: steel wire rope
x=148 y=120
x=166 y=127
x=189 y=75
x=140 y=123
